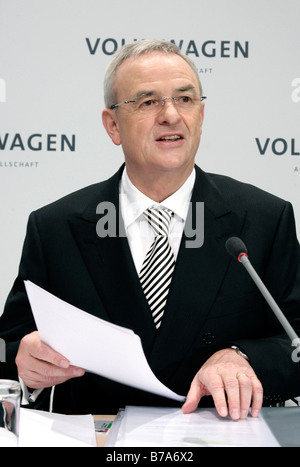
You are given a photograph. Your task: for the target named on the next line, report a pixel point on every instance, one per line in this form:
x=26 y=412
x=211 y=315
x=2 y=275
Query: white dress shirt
x=139 y=233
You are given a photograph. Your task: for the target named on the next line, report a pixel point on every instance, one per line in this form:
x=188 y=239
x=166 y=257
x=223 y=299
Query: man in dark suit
x=217 y=337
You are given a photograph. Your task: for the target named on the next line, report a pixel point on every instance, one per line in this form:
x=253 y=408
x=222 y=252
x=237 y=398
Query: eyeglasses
x=154 y=105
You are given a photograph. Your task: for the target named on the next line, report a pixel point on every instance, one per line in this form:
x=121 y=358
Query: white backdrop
x=53 y=54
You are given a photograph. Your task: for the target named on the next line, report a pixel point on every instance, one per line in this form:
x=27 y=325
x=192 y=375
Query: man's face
x=149 y=141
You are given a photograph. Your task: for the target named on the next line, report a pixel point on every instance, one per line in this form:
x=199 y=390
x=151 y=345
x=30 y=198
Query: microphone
x=236 y=248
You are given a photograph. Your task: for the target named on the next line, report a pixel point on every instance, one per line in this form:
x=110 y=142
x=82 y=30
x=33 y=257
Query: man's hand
x=232 y=383
x=39 y=366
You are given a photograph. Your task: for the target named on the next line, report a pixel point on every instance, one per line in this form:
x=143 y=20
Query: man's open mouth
x=170 y=138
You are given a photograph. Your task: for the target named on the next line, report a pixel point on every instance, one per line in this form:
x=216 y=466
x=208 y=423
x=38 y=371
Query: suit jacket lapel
x=197 y=279
x=112 y=269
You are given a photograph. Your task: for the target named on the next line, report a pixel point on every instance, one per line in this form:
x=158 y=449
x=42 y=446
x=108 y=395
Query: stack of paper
x=169 y=427
x=43 y=429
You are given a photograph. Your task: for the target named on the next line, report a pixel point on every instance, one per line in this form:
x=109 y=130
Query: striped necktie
x=158 y=266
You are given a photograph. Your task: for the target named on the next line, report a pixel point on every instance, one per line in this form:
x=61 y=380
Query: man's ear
x=110 y=124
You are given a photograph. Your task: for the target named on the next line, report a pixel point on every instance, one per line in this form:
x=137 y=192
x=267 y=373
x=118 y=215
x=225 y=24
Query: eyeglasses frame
x=163 y=99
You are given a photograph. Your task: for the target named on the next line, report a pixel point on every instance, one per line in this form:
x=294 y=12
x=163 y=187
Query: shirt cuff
x=29 y=396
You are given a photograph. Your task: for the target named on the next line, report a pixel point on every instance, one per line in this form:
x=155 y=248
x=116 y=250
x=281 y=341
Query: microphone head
x=235 y=247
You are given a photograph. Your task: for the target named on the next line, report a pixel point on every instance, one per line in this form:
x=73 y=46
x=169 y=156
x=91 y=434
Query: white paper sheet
x=92 y=343
x=169 y=427
x=43 y=429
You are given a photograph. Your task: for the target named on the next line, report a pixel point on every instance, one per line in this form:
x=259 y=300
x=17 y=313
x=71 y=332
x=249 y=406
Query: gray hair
x=136 y=49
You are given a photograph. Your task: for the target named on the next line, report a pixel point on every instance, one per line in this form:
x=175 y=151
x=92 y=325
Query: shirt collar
x=133 y=202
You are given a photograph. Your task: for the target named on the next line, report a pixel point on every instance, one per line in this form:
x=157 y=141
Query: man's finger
x=217 y=390
x=257 y=398
x=40 y=366
x=232 y=390
x=50 y=377
x=245 y=389
x=193 y=397
x=43 y=352
x=43 y=374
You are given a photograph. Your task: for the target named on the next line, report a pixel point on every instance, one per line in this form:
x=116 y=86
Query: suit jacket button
x=208 y=338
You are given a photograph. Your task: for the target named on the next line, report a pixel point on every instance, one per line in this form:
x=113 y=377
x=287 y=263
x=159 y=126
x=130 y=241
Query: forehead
x=153 y=72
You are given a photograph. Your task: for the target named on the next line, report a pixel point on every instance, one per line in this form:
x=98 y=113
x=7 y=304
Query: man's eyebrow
x=141 y=94
x=188 y=87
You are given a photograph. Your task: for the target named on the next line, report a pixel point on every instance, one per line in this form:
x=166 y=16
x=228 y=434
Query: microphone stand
x=243 y=258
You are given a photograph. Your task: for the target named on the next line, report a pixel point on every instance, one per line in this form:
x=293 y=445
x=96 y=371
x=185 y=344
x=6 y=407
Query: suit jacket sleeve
x=17 y=319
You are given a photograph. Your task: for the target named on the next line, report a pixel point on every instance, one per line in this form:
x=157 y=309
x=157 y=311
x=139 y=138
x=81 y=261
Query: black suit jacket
x=212 y=303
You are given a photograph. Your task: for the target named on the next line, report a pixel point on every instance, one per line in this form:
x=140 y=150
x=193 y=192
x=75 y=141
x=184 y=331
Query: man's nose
x=168 y=113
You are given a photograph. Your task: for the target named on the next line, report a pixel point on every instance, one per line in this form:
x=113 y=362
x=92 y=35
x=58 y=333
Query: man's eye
x=185 y=99
x=149 y=102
